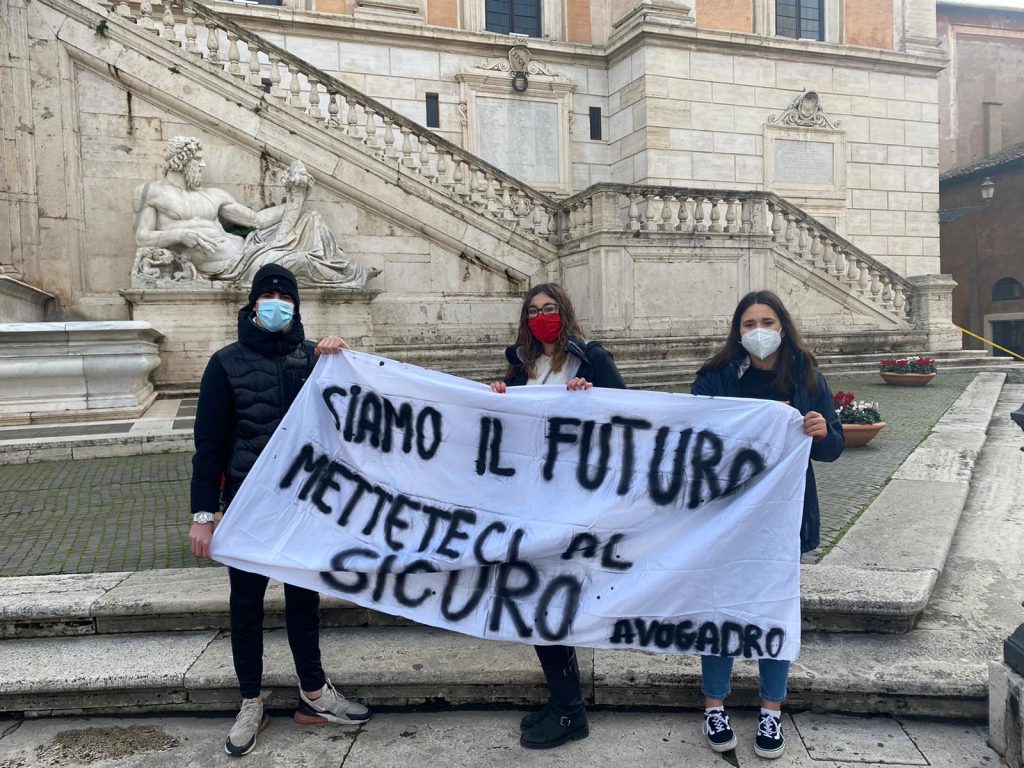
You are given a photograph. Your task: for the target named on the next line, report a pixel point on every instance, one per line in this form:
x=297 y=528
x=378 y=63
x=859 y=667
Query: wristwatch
x=202 y=517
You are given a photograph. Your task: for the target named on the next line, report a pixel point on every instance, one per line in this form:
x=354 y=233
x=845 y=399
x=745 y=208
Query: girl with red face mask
x=550 y=350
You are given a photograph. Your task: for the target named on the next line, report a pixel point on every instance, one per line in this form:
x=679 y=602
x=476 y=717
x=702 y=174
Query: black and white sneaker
x=718 y=732
x=770 y=742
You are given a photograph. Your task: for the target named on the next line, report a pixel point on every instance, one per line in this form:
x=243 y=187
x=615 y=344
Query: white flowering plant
x=850 y=410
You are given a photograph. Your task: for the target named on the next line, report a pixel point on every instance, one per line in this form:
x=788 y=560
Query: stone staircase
x=880 y=634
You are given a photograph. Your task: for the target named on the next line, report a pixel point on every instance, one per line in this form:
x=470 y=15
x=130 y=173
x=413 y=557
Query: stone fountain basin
x=76 y=370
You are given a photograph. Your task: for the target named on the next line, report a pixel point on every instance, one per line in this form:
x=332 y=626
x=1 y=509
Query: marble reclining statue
x=181 y=237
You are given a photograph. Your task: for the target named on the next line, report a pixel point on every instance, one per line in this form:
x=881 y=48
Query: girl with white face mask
x=764 y=358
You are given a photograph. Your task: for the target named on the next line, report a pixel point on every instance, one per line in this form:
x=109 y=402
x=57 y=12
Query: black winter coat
x=246 y=390
x=725 y=382
x=596 y=365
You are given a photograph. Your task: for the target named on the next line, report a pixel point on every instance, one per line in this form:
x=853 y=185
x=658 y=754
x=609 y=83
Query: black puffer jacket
x=246 y=390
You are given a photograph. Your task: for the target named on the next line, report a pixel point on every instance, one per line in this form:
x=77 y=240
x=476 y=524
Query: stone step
x=833 y=599
x=928 y=673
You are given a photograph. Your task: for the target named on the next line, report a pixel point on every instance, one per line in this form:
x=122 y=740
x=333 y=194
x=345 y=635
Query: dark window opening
x=802 y=19
x=433 y=111
x=1007 y=289
x=1009 y=334
x=506 y=17
x=595 y=123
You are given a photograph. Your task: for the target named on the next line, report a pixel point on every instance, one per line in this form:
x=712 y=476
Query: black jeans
x=302 y=618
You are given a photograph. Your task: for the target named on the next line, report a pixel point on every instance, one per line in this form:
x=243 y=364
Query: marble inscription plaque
x=804 y=162
x=519 y=136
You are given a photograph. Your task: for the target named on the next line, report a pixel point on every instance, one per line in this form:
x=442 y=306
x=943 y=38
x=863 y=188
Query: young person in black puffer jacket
x=550 y=350
x=245 y=392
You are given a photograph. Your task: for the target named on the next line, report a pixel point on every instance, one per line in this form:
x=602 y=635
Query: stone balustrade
x=632 y=208
x=291 y=83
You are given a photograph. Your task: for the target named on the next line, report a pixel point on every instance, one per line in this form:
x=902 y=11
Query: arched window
x=1007 y=289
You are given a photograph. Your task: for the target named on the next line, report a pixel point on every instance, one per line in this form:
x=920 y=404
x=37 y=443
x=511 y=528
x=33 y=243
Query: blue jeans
x=717 y=673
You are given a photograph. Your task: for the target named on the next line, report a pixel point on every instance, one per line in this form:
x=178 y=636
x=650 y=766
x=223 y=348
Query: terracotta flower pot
x=906 y=379
x=857 y=435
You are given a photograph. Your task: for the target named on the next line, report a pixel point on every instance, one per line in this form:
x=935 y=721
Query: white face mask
x=761 y=342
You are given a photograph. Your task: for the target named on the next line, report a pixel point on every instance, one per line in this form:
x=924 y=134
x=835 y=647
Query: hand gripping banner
x=603 y=518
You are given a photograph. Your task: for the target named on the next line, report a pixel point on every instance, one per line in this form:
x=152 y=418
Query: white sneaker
x=330 y=707
x=251 y=722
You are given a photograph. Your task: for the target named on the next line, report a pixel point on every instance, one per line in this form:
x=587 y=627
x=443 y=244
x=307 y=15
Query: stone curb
x=32 y=451
x=882 y=582
x=192 y=671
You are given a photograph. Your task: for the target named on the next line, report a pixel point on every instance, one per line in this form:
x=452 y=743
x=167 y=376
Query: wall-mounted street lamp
x=988 y=191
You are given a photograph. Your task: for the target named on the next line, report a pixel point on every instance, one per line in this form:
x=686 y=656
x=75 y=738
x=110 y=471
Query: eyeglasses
x=547 y=309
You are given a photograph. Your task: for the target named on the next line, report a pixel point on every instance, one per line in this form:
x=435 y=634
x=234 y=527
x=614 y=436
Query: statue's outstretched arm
x=237 y=213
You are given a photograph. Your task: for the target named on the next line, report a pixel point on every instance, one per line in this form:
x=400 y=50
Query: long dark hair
x=790 y=353
x=529 y=348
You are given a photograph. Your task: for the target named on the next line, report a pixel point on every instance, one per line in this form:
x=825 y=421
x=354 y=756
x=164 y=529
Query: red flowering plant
x=911 y=364
x=850 y=410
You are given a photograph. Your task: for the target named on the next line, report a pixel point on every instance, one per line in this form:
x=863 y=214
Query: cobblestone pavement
x=130 y=513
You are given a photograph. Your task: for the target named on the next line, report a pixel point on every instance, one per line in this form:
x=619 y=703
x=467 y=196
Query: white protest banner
x=604 y=518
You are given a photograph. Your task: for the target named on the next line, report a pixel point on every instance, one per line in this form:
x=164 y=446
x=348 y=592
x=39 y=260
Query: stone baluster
x=389 y=139
x=490 y=197
x=853 y=267
x=351 y=117
x=255 y=75
x=168 y=20
x=864 y=280
x=442 y=172
x=792 y=241
x=778 y=232
x=899 y=300
x=686 y=220
x=508 y=212
x=829 y=257
x=666 y=213
x=731 y=217
x=539 y=227
x=314 y=99
x=649 y=224
x=887 y=293
x=805 y=243
x=674 y=207
x=276 y=89
x=841 y=263
x=701 y=214
x=876 y=286
x=407 y=159
x=294 y=89
x=333 y=110
x=461 y=193
x=234 y=58
x=633 y=213
x=716 y=214
x=424 y=164
x=371 y=128
x=190 y=28
x=146 y=20
x=212 y=45
x=573 y=217
x=123 y=9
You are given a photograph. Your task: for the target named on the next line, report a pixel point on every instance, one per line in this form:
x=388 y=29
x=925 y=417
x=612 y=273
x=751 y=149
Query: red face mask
x=545 y=328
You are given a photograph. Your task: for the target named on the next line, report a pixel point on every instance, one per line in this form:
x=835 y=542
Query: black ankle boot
x=533 y=718
x=564 y=718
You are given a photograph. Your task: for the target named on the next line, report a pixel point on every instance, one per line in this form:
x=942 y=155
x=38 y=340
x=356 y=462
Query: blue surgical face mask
x=274 y=314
